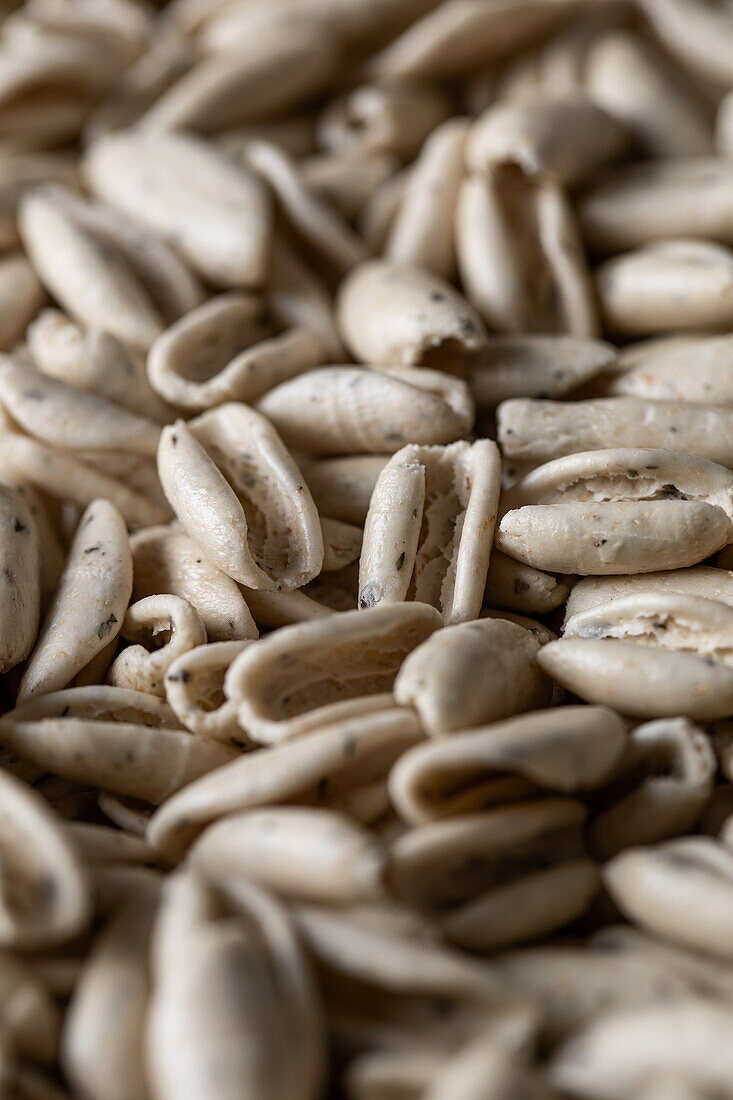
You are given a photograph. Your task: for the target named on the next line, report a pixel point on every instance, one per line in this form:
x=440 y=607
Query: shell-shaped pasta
x=45 y=894
x=20 y=574
x=350 y=410
x=535 y=366
x=660 y=887
x=663 y=620
x=466 y=868
x=223 y=351
x=677 y=766
x=565 y=136
x=312 y=673
x=21 y=296
x=166 y=559
x=89 y=605
x=634 y=83
x=462 y=35
x=468 y=675
x=341 y=544
x=58 y=474
x=563 y=749
x=265 y=74
x=430 y=528
x=143 y=669
x=194 y=688
x=674 y=197
x=65 y=416
x=271 y=609
x=639 y=680
x=401 y=314
x=93 y=282
x=536 y=431
x=626 y=536
x=677 y=368
x=624 y=473
x=328 y=763
x=93 y=360
x=422 y=233
x=671 y=285
x=216 y=212
x=124 y=757
x=515 y=586
x=100 y=702
x=701 y=580
x=520 y=255
x=307 y=853
x=670 y=1045
x=314 y=220
x=22 y=171
x=265 y=1027
x=343 y=487
x=108 y=1008
x=170 y=283
x=239 y=495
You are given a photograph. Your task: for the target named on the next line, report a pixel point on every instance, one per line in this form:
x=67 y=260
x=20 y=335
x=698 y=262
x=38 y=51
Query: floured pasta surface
x=366 y=550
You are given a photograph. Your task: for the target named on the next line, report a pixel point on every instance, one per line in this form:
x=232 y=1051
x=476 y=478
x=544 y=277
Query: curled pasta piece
x=423 y=230
x=89 y=605
x=45 y=896
x=94 y=360
x=21 y=296
x=563 y=750
x=677 y=767
x=90 y=280
x=238 y=493
x=404 y=315
x=144 y=669
x=108 y=1007
x=20 y=573
x=520 y=254
x=216 y=212
x=65 y=416
x=329 y=763
x=128 y=758
x=200 y=1020
x=101 y=702
x=312 y=673
x=439 y=677
x=465 y=872
x=430 y=528
x=224 y=351
x=309 y=853
x=314 y=220
x=194 y=688
x=57 y=473
x=166 y=559
x=351 y=410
